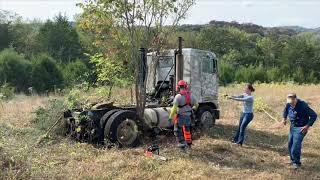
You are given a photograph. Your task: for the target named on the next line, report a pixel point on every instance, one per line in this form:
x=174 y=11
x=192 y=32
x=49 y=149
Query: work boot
x=295 y=166
x=181 y=145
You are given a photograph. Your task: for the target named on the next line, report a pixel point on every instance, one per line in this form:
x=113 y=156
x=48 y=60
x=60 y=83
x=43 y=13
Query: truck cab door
x=209 y=79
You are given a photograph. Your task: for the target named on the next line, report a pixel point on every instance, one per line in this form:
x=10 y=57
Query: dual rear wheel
x=120 y=126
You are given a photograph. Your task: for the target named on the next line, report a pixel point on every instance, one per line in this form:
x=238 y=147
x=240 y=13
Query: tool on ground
x=154 y=151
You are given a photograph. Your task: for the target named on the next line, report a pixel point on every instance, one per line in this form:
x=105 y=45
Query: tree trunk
x=140 y=83
x=110 y=91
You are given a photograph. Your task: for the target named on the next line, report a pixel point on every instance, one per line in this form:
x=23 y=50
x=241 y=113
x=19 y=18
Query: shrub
x=75 y=73
x=45 y=74
x=47 y=116
x=251 y=74
x=14 y=69
x=6 y=92
x=226 y=73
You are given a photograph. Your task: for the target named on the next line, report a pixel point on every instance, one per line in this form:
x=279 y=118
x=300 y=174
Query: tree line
x=41 y=57
x=250 y=53
x=58 y=53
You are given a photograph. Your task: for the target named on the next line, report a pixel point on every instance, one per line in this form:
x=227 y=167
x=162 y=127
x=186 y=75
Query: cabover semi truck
x=121 y=125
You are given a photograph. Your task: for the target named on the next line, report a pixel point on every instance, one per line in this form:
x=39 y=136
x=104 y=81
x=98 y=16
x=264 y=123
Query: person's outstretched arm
x=240 y=96
x=244 y=98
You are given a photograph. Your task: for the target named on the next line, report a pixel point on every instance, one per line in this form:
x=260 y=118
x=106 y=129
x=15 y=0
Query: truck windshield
x=165 y=61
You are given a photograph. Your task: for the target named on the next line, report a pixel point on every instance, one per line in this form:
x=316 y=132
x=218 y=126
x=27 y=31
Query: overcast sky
x=262 y=12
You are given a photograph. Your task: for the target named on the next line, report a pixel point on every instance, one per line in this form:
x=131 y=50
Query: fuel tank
x=157 y=117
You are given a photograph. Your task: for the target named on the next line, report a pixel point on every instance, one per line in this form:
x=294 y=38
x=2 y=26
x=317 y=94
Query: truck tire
x=106 y=116
x=122 y=128
x=206 y=118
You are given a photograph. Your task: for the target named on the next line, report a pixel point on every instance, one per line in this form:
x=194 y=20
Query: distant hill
x=251 y=28
x=300 y=29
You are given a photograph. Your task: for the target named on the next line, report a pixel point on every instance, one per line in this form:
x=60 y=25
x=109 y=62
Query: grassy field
x=263 y=156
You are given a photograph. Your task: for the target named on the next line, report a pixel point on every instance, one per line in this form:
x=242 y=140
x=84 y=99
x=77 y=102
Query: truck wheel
x=122 y=128
x=206 y=118
x=106 y=116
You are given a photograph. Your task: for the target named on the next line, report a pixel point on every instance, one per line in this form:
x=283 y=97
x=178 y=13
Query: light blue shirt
x=247 y=102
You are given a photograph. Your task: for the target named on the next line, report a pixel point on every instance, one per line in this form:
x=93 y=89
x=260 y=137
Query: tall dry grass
x=213 y=156
x=18 y=111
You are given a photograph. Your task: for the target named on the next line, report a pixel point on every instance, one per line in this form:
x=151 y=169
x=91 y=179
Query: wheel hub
x=207 y=119
x=127 y=132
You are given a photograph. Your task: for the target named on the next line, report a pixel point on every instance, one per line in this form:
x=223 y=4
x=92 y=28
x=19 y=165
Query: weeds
x=6 y=92
x=47 y=116
x=213 y=156
x=13 y=167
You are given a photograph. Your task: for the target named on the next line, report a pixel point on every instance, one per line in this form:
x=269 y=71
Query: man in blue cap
x=301 y=117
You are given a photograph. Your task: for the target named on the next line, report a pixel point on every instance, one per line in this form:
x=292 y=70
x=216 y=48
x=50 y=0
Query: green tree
x=6 y=19
x=251 y=74
x=75 y=73
x=223 y=40
x=301 y=55
x=129 y=25
x=226 y=73
x=14 y=70
x=45 y=74
x=24 y=37
x=4 y=36
x=60 y=39
x=270 y=50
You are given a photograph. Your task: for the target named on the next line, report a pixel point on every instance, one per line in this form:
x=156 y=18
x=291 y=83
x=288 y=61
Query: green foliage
x=273 y=57
x=226 y=73
x=260 y=105
x=45 y=117
x=75 y=73
x=4 y=36
x=60 y=39
x=118 y=36
x=251 y=74
x=276 y=75
x=45 y=74
x=223 y=40
x=73 y=99
x=6 y=20
x=14 y=69
x=6 y=92
x=24 y=37
x=80 y=97
x=111 y=40
x=111 y=72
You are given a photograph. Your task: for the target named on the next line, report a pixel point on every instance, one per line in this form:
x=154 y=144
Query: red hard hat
x=182 y=83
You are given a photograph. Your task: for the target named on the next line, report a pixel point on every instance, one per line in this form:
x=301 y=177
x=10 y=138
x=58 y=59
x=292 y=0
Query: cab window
x=209 y=65
x=165 y=61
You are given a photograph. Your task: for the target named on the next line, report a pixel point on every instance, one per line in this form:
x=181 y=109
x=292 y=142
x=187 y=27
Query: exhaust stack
x=179 y=63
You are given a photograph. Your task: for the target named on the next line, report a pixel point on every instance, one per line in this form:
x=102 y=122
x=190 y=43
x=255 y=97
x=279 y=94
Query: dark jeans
x=245 y=119
x=295 y=144
x=182 y=130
